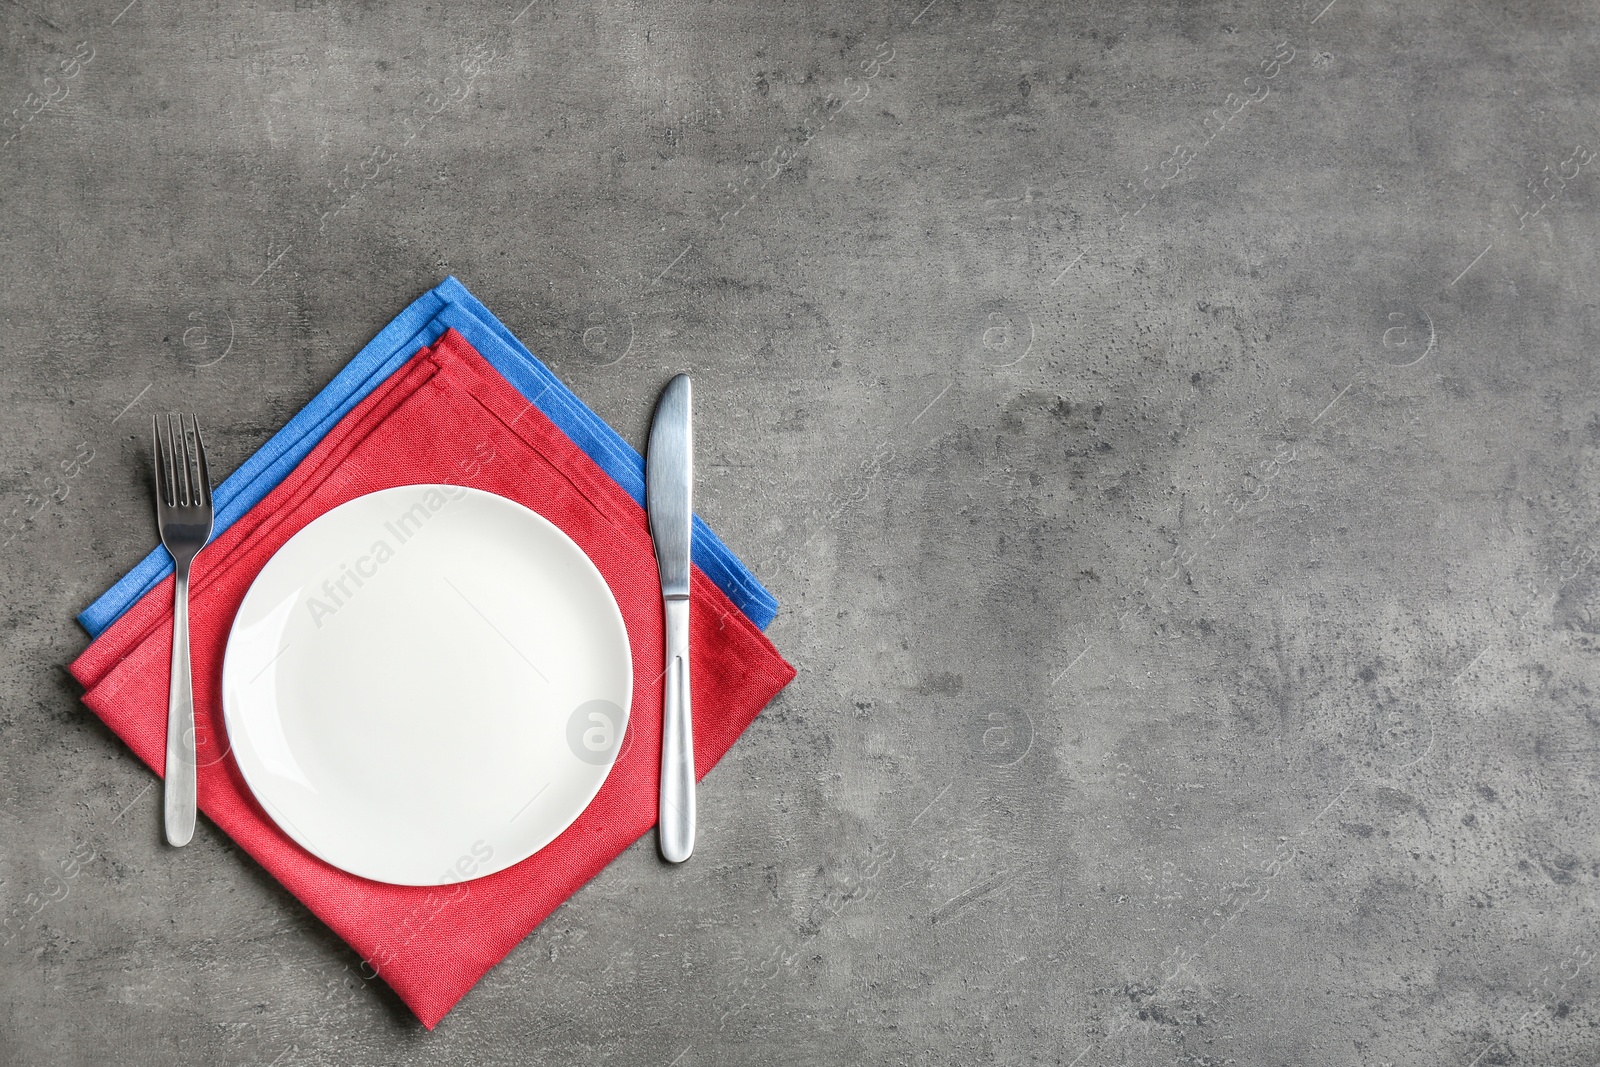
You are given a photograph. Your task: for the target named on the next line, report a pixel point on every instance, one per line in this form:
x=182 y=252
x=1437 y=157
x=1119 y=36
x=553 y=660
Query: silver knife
x=669 y=491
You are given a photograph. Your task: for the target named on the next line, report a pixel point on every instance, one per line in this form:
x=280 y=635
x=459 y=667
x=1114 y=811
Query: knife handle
x=676 y=817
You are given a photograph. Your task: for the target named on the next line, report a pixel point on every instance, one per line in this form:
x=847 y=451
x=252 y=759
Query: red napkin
x=447 y=417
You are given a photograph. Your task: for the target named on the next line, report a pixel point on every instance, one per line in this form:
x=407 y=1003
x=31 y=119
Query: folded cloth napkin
x=449 y=306
x=445 y=416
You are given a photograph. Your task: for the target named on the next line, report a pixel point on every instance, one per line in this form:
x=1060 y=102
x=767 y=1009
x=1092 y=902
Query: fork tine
x=180 y=476
x=163 y=489
x=203 y=484
x=179 y=451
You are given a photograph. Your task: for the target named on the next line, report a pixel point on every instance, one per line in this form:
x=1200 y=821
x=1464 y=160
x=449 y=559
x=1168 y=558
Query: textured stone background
x=1171 y=431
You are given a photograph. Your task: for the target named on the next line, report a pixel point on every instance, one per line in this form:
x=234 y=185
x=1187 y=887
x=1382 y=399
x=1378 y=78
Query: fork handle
x=180 y=769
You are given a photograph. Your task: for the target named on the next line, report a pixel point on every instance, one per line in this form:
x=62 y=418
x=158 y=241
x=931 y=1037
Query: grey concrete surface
x=1171 y=431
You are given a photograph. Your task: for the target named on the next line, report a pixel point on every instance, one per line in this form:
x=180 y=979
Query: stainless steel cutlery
x=184 y=513
x=669 y=491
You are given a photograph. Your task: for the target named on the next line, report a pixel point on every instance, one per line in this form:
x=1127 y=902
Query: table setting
x=719 y=533
x=414 y=645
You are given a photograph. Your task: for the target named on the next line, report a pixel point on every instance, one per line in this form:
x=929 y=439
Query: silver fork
x=184 y=514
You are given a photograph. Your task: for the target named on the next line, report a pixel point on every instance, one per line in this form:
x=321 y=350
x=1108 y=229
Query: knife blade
x=669 y=492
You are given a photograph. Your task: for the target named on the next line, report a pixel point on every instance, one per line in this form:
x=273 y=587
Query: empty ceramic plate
x=427 y=684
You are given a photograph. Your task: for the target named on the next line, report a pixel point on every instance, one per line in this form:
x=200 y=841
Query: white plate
x=427 y=684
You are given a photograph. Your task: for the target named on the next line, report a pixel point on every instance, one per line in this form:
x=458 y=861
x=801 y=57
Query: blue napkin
x=418 y=326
